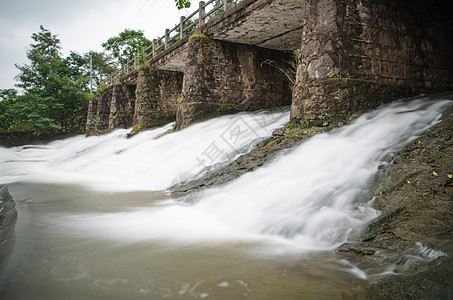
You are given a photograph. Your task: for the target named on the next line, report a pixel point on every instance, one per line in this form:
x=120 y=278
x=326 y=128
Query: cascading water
x=307 y=199
x=148 y=161
x=109 y=209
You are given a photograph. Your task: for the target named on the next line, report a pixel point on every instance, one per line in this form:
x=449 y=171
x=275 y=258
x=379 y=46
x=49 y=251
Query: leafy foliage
x=126 y=45
x=180 y=4
x=55 y=90
x=221 y=10
x=102 y=65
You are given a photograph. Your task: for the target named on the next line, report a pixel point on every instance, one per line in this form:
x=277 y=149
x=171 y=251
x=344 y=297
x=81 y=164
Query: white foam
x=147 y=161
x=309 y=199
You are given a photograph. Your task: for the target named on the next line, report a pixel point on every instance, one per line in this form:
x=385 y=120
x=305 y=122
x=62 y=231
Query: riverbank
x=412 y=240
x=13 y=139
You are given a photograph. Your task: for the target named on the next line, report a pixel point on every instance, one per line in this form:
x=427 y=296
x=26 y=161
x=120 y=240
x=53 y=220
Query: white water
x=311 y=198
x=147 y=161
x=95 y=222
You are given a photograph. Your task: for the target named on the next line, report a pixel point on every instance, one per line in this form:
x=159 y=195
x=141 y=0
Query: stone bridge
x=328 y=59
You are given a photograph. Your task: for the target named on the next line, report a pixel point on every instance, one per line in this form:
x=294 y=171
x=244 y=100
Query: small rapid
x=96 y=220
x=147 y=161
x=311 y=198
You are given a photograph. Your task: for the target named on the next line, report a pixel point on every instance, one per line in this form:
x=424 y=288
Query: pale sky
x=81 y=25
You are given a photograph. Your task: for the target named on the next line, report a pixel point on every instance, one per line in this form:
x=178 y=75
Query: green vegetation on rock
x=201 y=38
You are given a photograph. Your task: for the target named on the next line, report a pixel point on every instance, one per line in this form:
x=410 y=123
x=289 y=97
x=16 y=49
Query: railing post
x=182 y=27
x=167 y=37
x=227 y=4
x=154 y=48
x=201 y=13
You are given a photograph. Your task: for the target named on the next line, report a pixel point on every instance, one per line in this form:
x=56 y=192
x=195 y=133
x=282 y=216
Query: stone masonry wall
x=157 y=97
x=354 y=56
x=103 y=112
x=91 y=116
x=358 y=54
x=122 y=106
x=223 y=77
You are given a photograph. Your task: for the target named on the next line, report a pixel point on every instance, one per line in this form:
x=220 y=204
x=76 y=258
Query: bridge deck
x=273 y=24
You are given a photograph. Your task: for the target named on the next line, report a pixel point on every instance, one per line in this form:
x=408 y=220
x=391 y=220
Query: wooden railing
x=180 y=31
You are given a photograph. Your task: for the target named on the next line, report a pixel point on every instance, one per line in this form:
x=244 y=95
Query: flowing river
x=95 y=219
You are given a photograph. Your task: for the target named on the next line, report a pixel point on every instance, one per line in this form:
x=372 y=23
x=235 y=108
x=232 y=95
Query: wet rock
x=278 y=132
x=414 y=194
x=8 y=218
x=433 y=283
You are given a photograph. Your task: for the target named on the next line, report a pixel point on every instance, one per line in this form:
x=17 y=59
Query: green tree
x=7 y=98
x=79 y=66
x=126 y=45
x=180 y=4
x=103 y=65
x=55 y=91
x=45 y=60
x=221 y=10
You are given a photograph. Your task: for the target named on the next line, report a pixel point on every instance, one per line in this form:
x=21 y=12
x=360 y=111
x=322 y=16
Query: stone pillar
x=157 y=97
x=91 y=116
x=356 y=55
x=128 y=107
x=222 y=77
x=319 y=59
x=171 y=87
x=122 y=106
x=103 y=111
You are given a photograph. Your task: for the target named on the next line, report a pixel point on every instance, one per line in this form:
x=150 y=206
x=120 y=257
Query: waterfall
x=96 y=220
x=150 y=160
x=312 y=197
